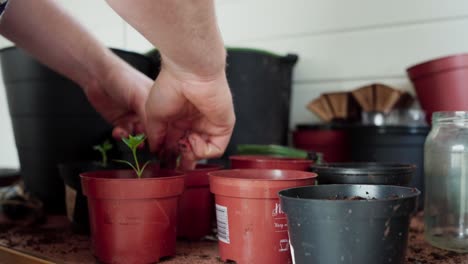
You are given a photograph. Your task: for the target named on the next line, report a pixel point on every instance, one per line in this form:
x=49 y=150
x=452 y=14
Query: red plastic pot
x=196 y=206
x=252 y=228
x=332 y=142
x=267 y=162
x=440 y=84
x=132 y=220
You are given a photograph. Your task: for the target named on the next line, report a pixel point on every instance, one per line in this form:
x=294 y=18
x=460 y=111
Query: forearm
x=185 y=32
x=51 y=35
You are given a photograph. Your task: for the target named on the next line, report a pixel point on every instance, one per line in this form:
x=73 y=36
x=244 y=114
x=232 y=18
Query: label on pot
x=222 y=223
x=70 y=196
x=280 y=220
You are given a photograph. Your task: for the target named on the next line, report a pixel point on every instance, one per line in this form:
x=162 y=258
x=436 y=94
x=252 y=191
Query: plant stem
x=137 y=165
x=104 y=158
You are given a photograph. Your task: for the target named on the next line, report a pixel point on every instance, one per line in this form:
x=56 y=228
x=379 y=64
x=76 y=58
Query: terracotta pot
x=132 y=220
x=196 y=206
x=441 y=84
x=252 y=228
x=268 y=162
x=332 y=141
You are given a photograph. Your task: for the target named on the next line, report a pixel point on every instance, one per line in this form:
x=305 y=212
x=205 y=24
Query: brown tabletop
x=56 y=242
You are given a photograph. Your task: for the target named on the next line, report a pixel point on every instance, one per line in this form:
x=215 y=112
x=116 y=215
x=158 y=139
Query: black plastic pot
x=261 y=84
x=8 y=176
x=53 y=121
x=323 y=229
x=76 y=203
x=402 y=144
x=377 y=173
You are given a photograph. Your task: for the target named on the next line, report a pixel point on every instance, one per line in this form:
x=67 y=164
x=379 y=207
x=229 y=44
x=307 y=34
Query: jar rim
x=449 y=116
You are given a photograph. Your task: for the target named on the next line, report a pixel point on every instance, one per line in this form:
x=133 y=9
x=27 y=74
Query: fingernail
x=192 y=140
x=183 y=147
x=208 y=150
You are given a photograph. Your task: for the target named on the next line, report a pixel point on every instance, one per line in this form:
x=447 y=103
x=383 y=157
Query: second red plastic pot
x=196 y=206
x=132 y=220
x=252 y=227
x=268 y=162
x=331 y=141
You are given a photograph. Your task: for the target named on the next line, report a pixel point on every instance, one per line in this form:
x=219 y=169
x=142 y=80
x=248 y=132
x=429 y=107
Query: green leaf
x=271 y=150
x=107 y=145
x=127 y=141
x=143 y=168
x=134 y=141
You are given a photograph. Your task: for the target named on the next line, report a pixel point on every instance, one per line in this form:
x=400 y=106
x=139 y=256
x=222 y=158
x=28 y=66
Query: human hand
x=190 y=115
x=120 y=98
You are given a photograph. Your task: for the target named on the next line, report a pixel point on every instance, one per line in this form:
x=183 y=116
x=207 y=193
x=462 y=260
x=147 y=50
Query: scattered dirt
x=420 y=252
x=60 y=243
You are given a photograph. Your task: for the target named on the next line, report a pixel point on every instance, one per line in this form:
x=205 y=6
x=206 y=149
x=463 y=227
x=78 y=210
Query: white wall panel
x=369 y=53
x=251 y=20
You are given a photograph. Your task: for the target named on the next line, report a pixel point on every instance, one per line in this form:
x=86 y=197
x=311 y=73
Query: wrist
x=199 y=68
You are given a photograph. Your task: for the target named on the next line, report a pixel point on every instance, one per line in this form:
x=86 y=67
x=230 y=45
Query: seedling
x=133 y=142
x=103 y=148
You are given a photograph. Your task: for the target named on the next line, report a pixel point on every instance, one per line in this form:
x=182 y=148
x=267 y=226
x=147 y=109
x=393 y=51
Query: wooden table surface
x=55 y=241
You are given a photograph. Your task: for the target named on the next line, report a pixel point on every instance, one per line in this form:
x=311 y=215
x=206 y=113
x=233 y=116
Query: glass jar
x=446 y=181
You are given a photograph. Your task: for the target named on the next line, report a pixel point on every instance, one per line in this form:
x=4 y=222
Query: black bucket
x=260 y=83
x=261 y=88
x=53 y=121
x=76 y=202
x=326 y=227
x=378 y=173
x=402 y=144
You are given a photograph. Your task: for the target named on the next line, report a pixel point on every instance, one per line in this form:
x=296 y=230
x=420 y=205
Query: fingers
x=126 y=126
x=119 y=132
x=204 y=147
x=156 y=132
x=188 y=161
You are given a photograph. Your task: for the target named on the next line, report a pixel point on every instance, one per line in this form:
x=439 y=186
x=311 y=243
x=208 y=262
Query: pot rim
x=412 y=193
x=238 y=184
x=95 y=186
x=226 y=174
x=439 y=64
x=363 y=168
x=203 y=167
x=265 y=158
x=175 y=175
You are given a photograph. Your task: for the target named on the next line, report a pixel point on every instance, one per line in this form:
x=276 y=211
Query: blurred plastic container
x=440 y=84
x=331 y=140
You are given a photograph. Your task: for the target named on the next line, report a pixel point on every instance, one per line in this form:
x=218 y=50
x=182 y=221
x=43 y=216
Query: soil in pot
x=133 y=220
x=252 y=227
x=324 y=230
x=196 y=205
x=269 y=162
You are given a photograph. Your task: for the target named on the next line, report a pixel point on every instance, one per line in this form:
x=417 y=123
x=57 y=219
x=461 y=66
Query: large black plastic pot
x=261 y=84
x=378 y=173
x=76 y=202
x=53 y=121
x=325 y=229
x=402 y=144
